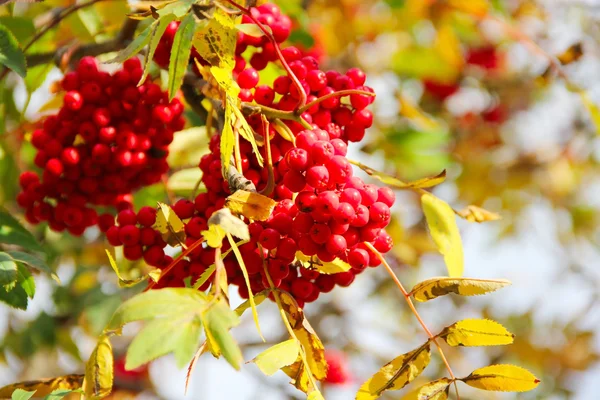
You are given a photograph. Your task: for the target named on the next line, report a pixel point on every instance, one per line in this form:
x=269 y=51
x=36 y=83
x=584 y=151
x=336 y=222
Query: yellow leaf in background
x=477 y=214
x=227 y=145
x=154 y=273
x=253 y=206
x=54 y=103
x=45 y=386
x=98 y=380
x=278 y=356
x=396 y=374
x=229 y=223
x=478 y=8
x=572 y=54
x=502 y=378
x=334 y=267
x=169 y=225
x=246 y=132
x=214 y=237
x=397 y=183
x=440 y=286
x=187 y=147
x=448 y=47
x=417 y=116
x=592 y=109
x=476 y=332
x=444 y=231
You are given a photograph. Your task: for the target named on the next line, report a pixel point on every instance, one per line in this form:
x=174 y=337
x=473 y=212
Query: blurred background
x=514 y=126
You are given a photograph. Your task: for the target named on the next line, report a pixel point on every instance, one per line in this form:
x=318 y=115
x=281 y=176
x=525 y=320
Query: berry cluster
x=338 y=372
x=109 y=138
x=323 y=211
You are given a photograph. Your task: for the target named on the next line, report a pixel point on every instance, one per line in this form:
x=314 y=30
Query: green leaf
x=180 y=53
x=11 y=54
x=166 y=303
x=162 y=336
x=135 y=46
x=160 y=27
x=8 y=269
x=278 y=356
x=21 y=27
x=25 y=280
x=12 y=232
x=33 y=262
x=219 y=319
x=36 y=76
x=16 y=298
x=21 y=394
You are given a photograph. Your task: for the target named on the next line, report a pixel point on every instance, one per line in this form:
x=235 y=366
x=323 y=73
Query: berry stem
x=184 y=253
x=339 y=93
x=412 y=307
x=268 y=190
x=271 y=38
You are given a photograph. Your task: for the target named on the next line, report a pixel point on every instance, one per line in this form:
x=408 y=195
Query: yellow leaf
x=154 y=274
x=229 y=223
x=278 y=356
x=572 y=54
x=478 y=8
x=44 y=387
x=251 y=29
x=246 y=132
x=240 y=261
x=313 y=347
x=477 y=214
x=476 y=332
x=54 y=103
x=397 y=183
x=440 y=286
x=592 y=109
x=214 y=238
x=435 y=390
x=169 y=225
x=316 y=395
x=98 y=380
x=300 y=378
x=334 y=267
x=253 y=206
x=444 y=231
x=258 y=298
x=396 y=374
x=502 y=378
x=216 y=41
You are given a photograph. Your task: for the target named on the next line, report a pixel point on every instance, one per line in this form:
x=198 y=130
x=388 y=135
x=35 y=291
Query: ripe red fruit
x=302 y=288
x=146 y=216
x=126 y=217
x=248 y=78
x=317 y=177
x=73 y=100
x=269 y=238
x=337 y=372
x=129 y=235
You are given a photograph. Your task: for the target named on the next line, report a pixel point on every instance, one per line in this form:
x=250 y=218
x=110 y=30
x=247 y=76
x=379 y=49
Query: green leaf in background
x=183 y=182
x=12 y=232
x=219 y=320
x=16 y=298
x=33 y=262
x=135 y=46
x=25 y=280
x=8 y=270
x=36 y=76
x=11 y=54
x=21 y=27
x=160 y=27
x=180 y=53
x=60 y=394
x=21 y=394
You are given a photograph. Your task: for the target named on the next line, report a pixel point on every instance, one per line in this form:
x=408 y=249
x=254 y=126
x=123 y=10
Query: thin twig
x=339 y=93
x=411 y=305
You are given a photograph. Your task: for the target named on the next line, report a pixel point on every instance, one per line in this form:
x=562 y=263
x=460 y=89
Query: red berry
x=146 y=216
x=129 y=235
x=269 y=238
x=73 y=100
x=317 y=177
x=248 y=78
x=126 y=217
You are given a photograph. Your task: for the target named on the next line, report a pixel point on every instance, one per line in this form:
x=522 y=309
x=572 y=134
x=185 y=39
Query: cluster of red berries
x=109 y=138
x=338 y=372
